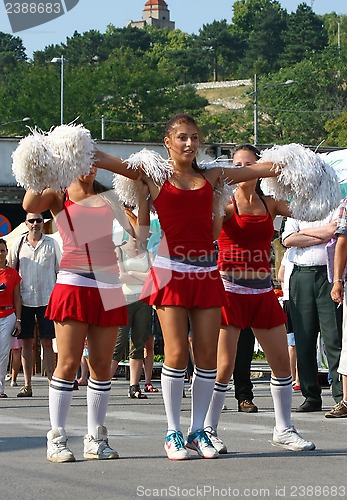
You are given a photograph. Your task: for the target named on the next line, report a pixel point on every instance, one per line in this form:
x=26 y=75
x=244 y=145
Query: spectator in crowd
x=16 y=355
x=36 y=257
x=134 y=264
x=242 y=372
x=339 y=295
x=149 y=360
x=10 y=311
x=311 y=308
x=84 y=366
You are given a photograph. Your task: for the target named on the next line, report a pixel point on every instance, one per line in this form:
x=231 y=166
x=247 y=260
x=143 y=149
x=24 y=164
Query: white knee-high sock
x=60 y=396
x=281 y=392
x=98 y=394
x=202 y=389
x=215 y=409
x=172 y=385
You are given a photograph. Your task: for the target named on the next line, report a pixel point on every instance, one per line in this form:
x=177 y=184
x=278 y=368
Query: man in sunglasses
x=36 y=257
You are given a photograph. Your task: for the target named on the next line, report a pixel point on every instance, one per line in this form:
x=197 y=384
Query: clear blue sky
x=189 y=16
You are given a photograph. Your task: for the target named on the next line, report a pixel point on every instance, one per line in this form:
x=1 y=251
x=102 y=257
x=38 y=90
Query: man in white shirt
x=311 y=307
x=36 y=257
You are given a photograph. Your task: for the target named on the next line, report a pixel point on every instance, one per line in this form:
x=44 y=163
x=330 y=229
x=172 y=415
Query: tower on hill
x=155 y=13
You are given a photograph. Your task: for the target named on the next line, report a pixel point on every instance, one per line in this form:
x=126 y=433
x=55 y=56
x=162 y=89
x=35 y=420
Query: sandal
x=135 y=392
x=3 y=395
x=150 y=388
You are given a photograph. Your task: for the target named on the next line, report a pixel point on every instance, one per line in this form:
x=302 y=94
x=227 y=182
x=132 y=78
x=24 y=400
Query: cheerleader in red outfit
x=86 y=302
x=184 y=284
x=244 y=264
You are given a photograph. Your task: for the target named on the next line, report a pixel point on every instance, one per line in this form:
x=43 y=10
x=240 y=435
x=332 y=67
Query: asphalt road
x=252 y=469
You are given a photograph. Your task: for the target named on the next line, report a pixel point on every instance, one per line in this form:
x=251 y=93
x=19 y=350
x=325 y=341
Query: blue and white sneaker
x=201 y=443
x=175 y=447
x=215 y=440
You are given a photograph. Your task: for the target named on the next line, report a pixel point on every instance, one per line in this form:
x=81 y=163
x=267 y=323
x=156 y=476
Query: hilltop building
x=155 y=13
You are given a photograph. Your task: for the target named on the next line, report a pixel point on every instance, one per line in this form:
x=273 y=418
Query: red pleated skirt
x=253 y=310
x=165 y=287
x=94 y=306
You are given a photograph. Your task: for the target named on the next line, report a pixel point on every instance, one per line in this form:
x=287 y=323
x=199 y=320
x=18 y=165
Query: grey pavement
x=252 y=469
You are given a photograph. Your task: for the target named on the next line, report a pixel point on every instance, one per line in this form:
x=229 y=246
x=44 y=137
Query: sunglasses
x=35 y=220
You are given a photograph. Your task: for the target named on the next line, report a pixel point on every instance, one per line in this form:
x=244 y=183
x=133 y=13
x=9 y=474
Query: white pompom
x=152 y=164
x=225 y=192
x=306 y=181
x=126 y=190
x=32 y=161
x=73 y=150
x=53 y=160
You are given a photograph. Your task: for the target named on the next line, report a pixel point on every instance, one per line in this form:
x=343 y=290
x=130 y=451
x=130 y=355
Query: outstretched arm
x=234 y=175
x=114 y=164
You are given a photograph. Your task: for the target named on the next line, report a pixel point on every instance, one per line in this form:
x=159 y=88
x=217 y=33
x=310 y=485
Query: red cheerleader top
x=244 y=242
x=86 y=233
x=186 y=220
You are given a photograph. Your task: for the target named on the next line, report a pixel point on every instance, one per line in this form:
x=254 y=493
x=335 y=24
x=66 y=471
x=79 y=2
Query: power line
x=331 y=111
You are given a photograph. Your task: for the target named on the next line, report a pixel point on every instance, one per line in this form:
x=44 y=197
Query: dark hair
x=3 y=242
x=40 y=214
x=256 y=152
x=248 y=147
x=175 y=121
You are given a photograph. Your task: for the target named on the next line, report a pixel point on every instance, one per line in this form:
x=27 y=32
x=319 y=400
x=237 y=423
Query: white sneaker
x=201 y=443
x=175 y=447
x=290 y=439
x=98 y=447
x=215 y=440
x=57 y=448
x=8 y=377
x=14 y=383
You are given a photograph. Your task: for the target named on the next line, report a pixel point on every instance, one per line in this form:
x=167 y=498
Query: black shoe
x=308 y=406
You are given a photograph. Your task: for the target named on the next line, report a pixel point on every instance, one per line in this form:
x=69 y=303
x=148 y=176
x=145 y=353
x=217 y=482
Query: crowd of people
x=93 y=297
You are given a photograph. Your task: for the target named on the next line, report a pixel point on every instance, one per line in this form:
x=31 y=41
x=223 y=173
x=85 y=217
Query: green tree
x=216 y=40
x=180 y=55
x=298 y=112
x=12 y=52
x=259 y=24
x=305 y=35
x=336 y=28
x=337 y=131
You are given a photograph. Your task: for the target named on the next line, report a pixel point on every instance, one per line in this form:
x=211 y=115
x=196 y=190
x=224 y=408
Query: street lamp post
x=102 y=127
x=25 y=119
x=255 y=112
x=61 y=60
x=255 y=103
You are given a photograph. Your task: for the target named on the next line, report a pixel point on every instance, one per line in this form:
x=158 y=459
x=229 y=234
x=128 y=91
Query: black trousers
x=312 y=311
x=242 y=371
